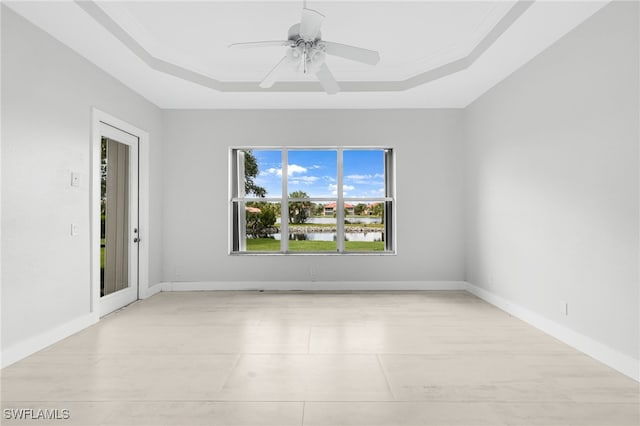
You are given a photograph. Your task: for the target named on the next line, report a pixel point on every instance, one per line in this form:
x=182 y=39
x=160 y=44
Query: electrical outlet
x=75 y=179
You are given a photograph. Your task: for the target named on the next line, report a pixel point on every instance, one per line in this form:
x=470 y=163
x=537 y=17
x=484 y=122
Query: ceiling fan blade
x=310 y=24
x=327 y=81
x=353 y=53
x=261 y=44
x=273 y=75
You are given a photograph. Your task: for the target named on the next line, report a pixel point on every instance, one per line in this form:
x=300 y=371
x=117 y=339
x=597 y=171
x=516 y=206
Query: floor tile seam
x=206 y=353
x=386 y=377
x=163 y=401
x=230 y=372
x=529 y=402
x=306 y=401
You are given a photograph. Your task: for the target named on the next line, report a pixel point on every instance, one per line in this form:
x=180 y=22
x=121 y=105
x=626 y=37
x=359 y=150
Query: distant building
x=369 y=210
x=330 y=209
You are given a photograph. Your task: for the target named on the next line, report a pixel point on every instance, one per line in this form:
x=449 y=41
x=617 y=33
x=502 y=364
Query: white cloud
x=271 y=171
x=291 y=169
x=362 y=178
x=307 y=179
x=294 y=168
x=358 y=177
x=345 y=188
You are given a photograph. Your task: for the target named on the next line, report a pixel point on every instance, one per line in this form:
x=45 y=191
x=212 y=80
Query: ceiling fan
x=307 y=50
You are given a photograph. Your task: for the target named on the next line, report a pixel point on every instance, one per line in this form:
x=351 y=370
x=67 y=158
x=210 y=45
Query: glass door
x=119 y=235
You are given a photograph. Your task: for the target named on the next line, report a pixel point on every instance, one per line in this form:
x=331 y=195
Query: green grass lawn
x=102 y=249
x=364 y=245
x=269 y=244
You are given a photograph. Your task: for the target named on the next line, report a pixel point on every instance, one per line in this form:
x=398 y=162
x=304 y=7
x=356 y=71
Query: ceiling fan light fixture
x=305 y=47
x=294 y=53
x=315 y=60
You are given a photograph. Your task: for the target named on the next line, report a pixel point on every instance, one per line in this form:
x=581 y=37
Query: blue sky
x=314 y=172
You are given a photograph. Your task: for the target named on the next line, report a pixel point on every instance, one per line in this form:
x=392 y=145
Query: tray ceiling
x=433 y=54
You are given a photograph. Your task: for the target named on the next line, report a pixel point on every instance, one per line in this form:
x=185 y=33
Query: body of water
x=332 y=220
x=363 y=220
x=331 y=236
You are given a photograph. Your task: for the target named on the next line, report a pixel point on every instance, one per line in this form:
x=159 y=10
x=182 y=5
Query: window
x=308 y=200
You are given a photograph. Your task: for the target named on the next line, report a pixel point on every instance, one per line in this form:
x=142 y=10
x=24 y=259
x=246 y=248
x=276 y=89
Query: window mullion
x=284 y=204
x=389 y=211
x=242 y=214
x=233 y=192
x=340 y=205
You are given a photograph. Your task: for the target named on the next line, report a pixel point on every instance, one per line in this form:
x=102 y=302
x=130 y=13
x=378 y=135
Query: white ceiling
x=433 y=54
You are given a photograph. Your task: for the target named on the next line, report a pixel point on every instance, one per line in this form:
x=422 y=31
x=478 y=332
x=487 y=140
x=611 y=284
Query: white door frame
x=98 y=129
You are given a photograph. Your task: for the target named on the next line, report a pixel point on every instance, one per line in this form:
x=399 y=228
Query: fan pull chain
x=304 y=59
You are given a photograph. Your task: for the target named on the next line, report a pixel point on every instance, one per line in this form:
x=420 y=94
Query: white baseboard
x=146 y=293
x=314 y=285
x=34 y=344
x=599 y=351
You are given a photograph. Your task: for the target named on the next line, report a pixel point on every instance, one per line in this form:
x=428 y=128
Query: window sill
x=311 y=253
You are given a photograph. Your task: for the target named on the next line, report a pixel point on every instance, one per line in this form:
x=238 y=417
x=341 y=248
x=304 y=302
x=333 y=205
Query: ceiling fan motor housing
x=294 y=34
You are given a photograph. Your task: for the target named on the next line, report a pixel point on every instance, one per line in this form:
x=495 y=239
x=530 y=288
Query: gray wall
x=47 y=95
x=552 y=181
x=429 y=192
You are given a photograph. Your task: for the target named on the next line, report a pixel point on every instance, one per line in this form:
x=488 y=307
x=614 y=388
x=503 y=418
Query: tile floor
x=372 y=358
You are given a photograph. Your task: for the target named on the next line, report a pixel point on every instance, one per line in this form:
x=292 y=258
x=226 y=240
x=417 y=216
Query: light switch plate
x=74 y=229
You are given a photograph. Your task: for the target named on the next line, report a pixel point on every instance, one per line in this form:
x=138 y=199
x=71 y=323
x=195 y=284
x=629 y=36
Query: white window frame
x=237 y=196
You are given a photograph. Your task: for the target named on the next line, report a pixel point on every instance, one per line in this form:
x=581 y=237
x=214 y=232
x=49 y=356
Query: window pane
x=363 y=175
x=312 y=173
x=312 y=227
x=364 y=226
x=257 y=226
x=261 y=172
